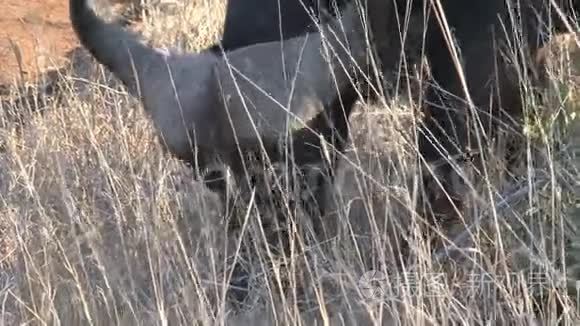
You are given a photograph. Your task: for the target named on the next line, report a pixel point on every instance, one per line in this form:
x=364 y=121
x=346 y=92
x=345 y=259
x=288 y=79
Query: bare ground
x=34 y=36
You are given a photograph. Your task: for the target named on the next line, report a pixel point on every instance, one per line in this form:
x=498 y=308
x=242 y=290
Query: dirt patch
x=35 y=34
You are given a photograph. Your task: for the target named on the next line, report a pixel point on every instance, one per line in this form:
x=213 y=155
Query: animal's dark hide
x=495 y=41
x=485 y=50
x=486 y=56
x=256 y=21
x=492 y=49
x=199 y=110
x=494 y=54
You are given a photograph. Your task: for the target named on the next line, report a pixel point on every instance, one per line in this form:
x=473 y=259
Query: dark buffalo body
x=483 y=30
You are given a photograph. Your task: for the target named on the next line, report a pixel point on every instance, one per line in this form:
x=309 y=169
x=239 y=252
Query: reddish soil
x=39 y=30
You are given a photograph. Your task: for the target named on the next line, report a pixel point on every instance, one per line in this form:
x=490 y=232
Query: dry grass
x=99 y=227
